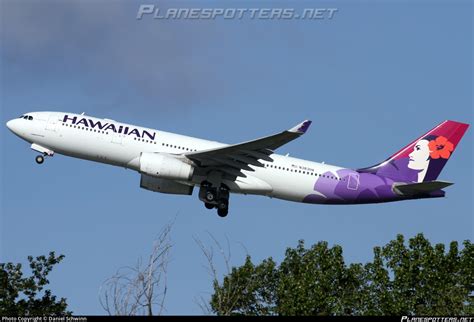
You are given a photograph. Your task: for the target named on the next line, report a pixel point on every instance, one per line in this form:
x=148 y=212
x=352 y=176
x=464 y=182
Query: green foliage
x=23 y=296
x=413 y=279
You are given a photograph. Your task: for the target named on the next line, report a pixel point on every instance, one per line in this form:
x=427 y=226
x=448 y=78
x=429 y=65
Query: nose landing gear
x=45 y=152
x=215 y=197
x=39 y=159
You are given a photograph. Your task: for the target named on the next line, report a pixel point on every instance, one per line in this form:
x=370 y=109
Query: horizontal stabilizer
x=410 y=189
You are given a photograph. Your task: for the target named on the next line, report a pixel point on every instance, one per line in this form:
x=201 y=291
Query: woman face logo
x=430 y=151
x=420 y=157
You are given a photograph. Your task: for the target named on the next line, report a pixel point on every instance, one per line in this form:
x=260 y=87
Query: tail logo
x=430 y=152
x=423 y=159
x=440 y=148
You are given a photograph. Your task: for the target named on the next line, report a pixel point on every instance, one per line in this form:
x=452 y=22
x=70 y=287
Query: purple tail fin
x=424 y=158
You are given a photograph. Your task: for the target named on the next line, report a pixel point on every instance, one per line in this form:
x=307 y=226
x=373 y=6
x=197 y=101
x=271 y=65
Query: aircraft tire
x=223 y=208
x=222 y=212
x=210 y=196
x=39 y=159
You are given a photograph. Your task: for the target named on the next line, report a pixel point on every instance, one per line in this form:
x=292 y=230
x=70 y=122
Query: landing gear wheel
x=208 y=205
x=223 y=208
x=222 y=212
x=39 y=159
x=210 y=196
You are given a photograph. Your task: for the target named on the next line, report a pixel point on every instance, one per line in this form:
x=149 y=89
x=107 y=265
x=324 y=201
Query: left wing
x=231 y=159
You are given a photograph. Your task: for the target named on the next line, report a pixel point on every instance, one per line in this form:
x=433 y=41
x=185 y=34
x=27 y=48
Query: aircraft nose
x=13 y=125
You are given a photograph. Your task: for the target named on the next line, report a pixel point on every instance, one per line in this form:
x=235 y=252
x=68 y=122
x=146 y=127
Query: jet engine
x=165 y=166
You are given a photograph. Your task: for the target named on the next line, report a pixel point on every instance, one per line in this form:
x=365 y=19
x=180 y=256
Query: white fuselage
x=285 y=178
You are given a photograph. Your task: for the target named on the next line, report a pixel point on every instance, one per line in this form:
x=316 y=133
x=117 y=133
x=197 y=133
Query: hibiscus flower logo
x=440 y=148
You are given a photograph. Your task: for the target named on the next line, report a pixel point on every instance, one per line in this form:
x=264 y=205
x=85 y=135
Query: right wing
x=231 y=159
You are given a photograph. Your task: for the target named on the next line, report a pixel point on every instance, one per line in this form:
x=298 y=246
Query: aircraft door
x=116 y=138
x=353 y=182
x=52 y=123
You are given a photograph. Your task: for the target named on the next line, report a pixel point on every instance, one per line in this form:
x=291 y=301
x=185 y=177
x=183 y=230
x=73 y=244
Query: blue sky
x=372 y=79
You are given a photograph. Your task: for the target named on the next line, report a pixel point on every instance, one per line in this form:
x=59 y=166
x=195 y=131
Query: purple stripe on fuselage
x=356 y=188
x=353 y=187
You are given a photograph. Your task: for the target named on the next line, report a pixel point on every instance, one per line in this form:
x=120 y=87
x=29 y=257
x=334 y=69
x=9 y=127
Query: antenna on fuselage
x=82 y=113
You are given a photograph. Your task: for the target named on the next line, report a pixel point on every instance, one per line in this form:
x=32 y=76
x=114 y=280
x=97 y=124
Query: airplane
x=175 y=164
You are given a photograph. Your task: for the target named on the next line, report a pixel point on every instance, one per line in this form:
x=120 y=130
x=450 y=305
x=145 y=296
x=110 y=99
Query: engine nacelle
x=164 y=185
x=164 y=166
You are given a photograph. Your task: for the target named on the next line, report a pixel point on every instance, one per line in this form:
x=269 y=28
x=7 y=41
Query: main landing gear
x=215 y=197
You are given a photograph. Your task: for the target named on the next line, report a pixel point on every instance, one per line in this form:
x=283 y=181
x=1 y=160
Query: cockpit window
x=21 y=116
x=30 y=118
x=25 y=117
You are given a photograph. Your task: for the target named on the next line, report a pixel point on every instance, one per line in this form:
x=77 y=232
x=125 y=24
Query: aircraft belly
x=252 y=185
x=287 y=187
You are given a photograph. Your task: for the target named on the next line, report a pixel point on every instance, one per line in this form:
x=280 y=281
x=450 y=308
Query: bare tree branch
x=225 y=299
x=140 y=289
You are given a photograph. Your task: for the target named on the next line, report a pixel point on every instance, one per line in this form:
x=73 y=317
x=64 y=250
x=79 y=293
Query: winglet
x=302 y=127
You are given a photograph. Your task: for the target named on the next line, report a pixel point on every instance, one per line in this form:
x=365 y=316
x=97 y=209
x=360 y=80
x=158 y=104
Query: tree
x=228 y=295
x=426 y=280
x=140 y=289
x=418 y=279
x=23 y=296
